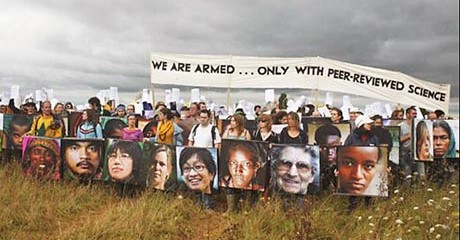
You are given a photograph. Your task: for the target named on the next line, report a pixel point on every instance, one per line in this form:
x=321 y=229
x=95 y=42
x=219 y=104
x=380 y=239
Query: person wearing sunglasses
x=264 y=130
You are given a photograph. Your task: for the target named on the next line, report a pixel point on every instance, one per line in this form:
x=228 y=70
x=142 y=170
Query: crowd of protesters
x=194 y=125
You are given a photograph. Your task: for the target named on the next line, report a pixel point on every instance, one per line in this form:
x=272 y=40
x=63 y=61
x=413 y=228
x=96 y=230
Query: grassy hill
x=33 y=209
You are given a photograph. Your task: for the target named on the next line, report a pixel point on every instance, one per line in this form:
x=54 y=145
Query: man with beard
x=83 y=159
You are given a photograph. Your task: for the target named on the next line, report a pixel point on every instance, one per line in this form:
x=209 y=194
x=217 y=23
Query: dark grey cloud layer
x=92 y=45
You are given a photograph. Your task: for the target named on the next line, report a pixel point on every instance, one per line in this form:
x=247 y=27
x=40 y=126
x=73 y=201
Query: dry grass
x=32 y=209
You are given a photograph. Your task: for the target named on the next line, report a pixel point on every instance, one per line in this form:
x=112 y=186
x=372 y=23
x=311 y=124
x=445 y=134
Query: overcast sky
x=80 y=47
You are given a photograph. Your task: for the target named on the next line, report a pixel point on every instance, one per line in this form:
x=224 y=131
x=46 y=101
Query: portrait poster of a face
x=395 y=132
x=326 y=134
x=243 y=164
x=197 y=168
x=362 y=170
x=83 y=159
x=295 y=169
x=422 y=140
x=112 y=126
x=15 y=126
x=161 y=160
x=41 y=157
x=74 y=121
x=445 y=139
x=124 y=163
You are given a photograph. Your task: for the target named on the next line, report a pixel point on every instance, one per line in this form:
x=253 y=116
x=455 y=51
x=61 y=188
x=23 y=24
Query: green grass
x=32 y=209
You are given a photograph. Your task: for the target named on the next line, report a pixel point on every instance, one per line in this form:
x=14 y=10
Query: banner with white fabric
x=300 y=73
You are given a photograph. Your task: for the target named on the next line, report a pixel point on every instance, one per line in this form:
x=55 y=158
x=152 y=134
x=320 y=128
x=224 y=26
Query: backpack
x=213 y=133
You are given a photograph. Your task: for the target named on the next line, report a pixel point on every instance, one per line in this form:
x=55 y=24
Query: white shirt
x=203 y=137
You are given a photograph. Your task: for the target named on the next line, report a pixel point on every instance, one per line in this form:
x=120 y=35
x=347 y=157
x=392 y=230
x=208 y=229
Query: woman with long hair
x=423 y=142
x=165 y=130
x=293 y=134
x=264 y=130
x=131 y=132
x=89 y=126
x=236 y=129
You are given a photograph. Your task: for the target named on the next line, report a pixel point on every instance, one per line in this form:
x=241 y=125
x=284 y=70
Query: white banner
x=301 y=73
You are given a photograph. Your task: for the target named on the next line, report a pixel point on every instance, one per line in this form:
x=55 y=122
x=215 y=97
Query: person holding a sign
x=406 y=161
x=45 y=124
x=361 y=136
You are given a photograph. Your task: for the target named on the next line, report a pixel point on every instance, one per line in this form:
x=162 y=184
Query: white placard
x=5 y=97
x=50 y=93
x=14 y=94
x=38 y=95
x=175 y=95
x=388 y=110
x=269 y=95
x=113 y=93
x=419 y=113
x=277 y=128
x=194 y=95
x=146 y=95
x=1 y=121
x=167 y=96
x=329 y=98
x=345 y=112
x=149 y=114
x=346 y=101
x=324 y=111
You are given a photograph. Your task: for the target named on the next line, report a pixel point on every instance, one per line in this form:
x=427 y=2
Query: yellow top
x=43 y=126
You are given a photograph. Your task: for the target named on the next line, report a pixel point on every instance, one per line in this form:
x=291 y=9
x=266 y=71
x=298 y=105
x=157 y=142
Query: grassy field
x=32 y=209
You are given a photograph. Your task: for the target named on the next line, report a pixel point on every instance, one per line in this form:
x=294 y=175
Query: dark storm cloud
x=97 y=44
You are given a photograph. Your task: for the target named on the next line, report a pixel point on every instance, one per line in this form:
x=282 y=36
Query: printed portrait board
x=112 y=126
x=161 y=159
x=295 y=169
x=197 y=168
x=362 y=170
x=41 y=157
x=15 y=126
x=325 y=130
x=445 y=138
x=74 y=120
x=149 y=127
x=242 y=164
x=395 y=132
x=124 y=163
x=422 y=140
x=82 y=159
x=314 y=120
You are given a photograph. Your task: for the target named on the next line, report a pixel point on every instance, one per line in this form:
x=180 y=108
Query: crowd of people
x=293 y=157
